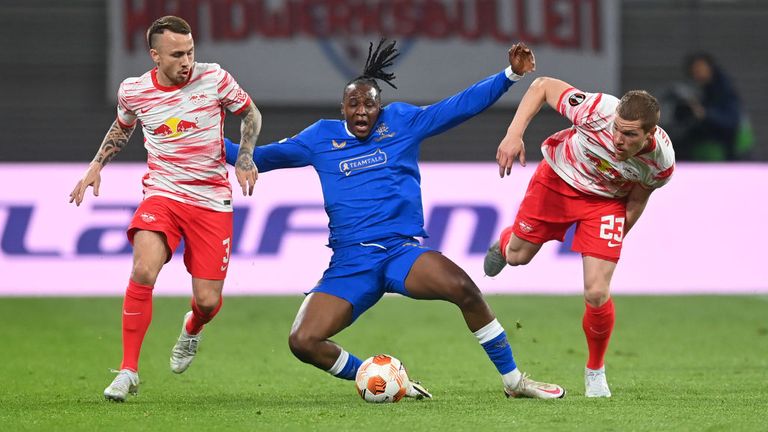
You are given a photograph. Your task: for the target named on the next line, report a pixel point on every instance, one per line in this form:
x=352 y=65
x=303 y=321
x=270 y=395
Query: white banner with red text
x=699 y=234
x=304 y=51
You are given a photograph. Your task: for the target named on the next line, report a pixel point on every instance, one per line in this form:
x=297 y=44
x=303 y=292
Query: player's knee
x=465 y=294
x=144 y=273
x=207 y=302
x=518 y=258
x=302 y=344
x=596 y=295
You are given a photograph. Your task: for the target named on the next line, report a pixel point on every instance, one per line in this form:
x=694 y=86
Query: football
x=381 y=379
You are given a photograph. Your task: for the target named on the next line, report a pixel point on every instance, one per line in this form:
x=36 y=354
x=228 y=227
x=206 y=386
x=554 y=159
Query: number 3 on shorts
x=612 y=229
x=225 y=260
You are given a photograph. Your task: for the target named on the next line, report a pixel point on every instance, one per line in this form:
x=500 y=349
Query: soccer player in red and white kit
x=187 y=193
x=598 y=174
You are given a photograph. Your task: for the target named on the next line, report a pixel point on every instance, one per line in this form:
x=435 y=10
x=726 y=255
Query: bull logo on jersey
x=370 y=160
x=198 y=99
x=576 y=99
x=603 y=166
x=174 y=127
x=148 y=217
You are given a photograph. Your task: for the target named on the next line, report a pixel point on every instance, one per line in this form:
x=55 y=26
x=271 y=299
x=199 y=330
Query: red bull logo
x=174 y=127
x=604 y=166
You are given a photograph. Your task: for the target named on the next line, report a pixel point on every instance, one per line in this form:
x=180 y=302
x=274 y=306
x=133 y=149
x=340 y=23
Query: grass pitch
x=675 y=363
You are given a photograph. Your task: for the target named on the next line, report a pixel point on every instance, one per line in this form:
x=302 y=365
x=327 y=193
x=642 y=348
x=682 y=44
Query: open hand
x=511 y=148
x=92 y=177
x=246 y=173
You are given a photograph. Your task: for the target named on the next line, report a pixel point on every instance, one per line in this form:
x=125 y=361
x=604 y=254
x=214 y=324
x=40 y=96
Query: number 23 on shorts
x=612 y=229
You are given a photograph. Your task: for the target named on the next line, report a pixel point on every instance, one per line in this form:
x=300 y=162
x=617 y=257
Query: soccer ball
x=382 y=379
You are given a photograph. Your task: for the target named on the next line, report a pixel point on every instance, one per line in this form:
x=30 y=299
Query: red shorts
x=207 y=233
x=551 y=206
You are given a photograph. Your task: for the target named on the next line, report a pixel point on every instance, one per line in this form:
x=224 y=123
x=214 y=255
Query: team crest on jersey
x=383 y=131
x=338 y=145
x=525 y=227
x=370 y=160
x=576 y=99
x=198 y=99
x=148 y=217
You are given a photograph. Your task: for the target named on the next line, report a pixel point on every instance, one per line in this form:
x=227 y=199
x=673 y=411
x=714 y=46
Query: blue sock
x=346 y=366
x=493 y=339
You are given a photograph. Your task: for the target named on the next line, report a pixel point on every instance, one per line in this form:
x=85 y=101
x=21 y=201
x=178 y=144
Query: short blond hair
x=640 y=105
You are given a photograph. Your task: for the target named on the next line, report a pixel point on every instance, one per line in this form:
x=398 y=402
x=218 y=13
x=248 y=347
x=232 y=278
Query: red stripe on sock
x=199 y=317
x=137 y=314
x=598 y=326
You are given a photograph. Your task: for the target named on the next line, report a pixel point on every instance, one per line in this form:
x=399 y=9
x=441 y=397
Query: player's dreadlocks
x=379 y=59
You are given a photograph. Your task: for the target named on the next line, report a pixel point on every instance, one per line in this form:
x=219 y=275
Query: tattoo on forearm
x=250 y=128
x=116 y=138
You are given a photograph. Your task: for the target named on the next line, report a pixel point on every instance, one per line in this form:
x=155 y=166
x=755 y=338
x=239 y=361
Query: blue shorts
x=362 y=273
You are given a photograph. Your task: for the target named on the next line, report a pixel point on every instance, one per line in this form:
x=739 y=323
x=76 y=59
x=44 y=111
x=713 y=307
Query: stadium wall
x=55 y=106
x=700 y=233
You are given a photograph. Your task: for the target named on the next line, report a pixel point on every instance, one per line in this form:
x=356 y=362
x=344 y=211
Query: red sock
x=598 y=326
x=200 y=318
x=137 y=314
x=504 y=240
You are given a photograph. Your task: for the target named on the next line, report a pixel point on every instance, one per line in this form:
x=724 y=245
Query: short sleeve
x=591 y=111
x=125 y=115
x=664 y=161
x=231 y=96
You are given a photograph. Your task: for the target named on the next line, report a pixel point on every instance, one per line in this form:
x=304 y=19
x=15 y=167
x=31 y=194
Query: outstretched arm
x=116 y=138
x=288 y=153
x=452 y=111
x=250 y=127
x=543 y=89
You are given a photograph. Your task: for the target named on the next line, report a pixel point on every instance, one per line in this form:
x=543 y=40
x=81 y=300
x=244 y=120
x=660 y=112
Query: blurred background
x=58 y=97
x=704 y=59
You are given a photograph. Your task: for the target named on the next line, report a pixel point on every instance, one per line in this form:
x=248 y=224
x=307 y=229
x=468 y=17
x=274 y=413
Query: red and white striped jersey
x=584 y=155
x=184 y=133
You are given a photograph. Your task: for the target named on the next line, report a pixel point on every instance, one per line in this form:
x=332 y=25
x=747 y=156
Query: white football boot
x=185 y=349
x=595 y=383
x=126 y=382
x=417 y=391
x=494 y=261
x=527 y=387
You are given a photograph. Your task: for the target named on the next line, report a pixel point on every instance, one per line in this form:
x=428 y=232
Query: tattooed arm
x=245 y=170
x=116 y=138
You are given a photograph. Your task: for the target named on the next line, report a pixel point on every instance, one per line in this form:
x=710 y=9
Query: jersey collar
x=351 y=135
x=161 y=87
x=650 y=147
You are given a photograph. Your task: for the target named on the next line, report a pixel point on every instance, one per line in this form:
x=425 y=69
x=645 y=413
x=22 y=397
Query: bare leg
x=519 y=251
x=597 y=280
x=598 y=321
x=435 y=277
x=320 y=317
x=149 y=255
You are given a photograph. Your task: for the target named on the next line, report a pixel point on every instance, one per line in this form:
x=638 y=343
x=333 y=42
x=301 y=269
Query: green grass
x=675 y=363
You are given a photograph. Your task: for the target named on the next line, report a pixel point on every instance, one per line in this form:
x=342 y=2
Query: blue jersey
x=372 y=188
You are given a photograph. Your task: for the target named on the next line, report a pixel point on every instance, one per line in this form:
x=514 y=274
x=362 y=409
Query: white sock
x=511 y=379
x=489 y=331
x=340 y=363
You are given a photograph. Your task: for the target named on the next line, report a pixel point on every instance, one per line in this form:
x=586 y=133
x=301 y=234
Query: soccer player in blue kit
x=370 y=179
